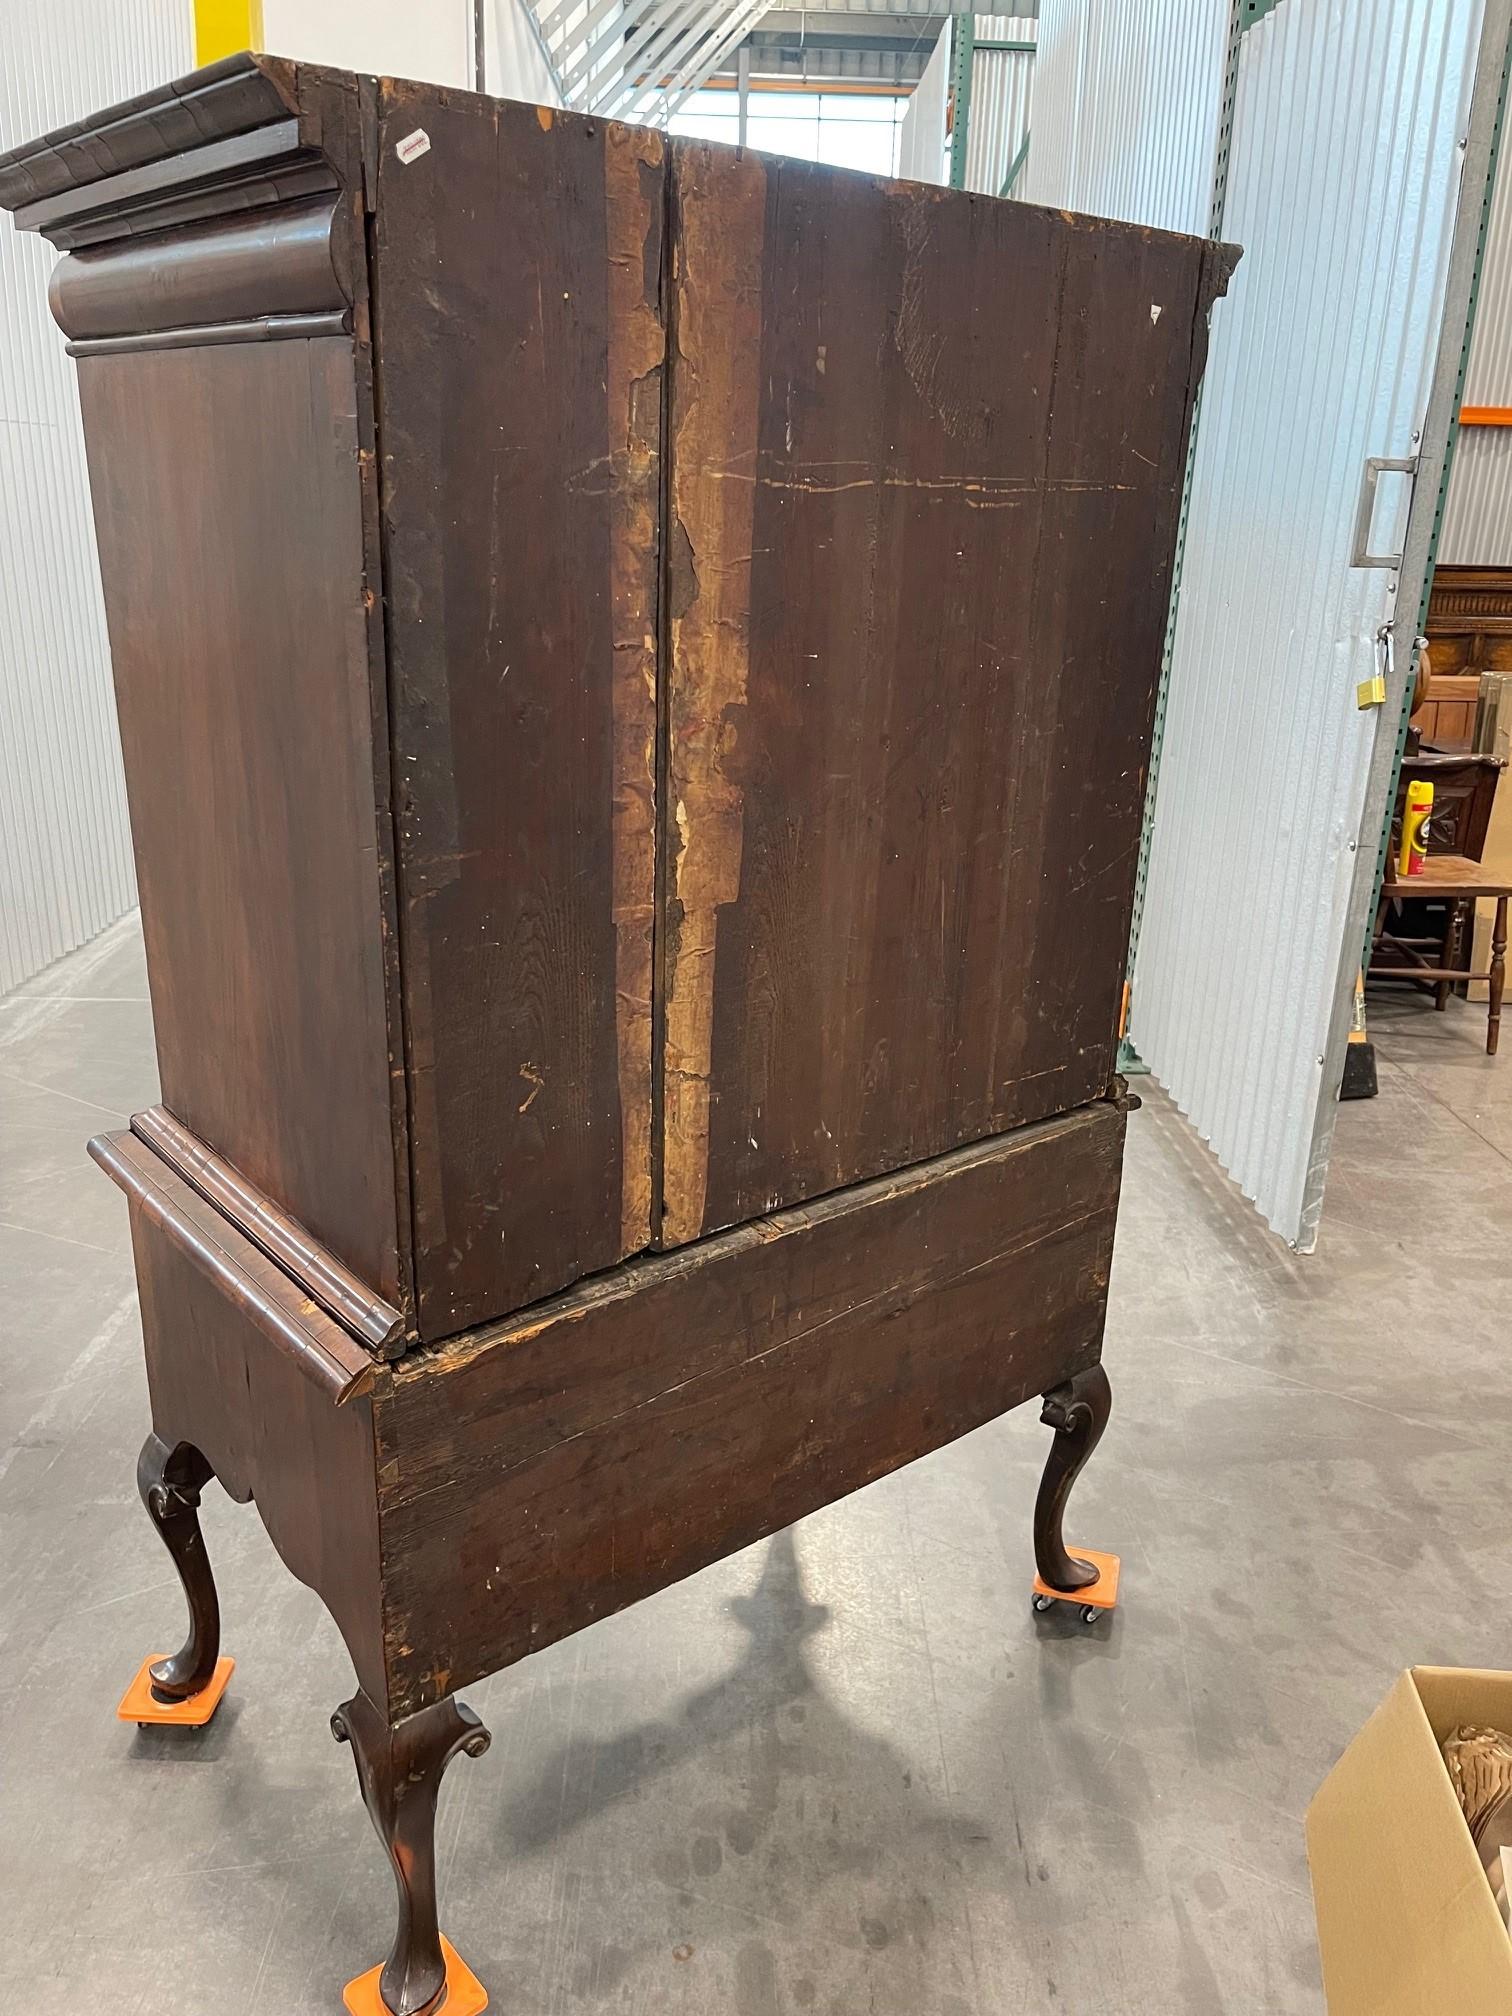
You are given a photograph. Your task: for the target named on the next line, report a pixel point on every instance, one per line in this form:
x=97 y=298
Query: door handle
x=1360 y=553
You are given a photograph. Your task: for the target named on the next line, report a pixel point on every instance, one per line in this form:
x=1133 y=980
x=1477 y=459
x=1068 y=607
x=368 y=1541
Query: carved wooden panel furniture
x=635 y=665
x=1469 y=631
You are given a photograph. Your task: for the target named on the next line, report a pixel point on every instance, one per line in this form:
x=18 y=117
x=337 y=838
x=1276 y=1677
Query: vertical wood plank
x=635 y=215
x=720 y=224
x=924 y=519
x=517 y=301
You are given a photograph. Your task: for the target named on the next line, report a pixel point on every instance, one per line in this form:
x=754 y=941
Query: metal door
x=1344 y=168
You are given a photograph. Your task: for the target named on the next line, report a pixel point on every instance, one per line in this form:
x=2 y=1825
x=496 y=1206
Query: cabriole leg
x=170 y=1481
x=399 y=1767
x=1078 y=1412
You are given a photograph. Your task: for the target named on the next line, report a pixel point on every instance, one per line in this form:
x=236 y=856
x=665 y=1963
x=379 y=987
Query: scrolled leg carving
x=399 y=1767
x=170 y=1481
x=1078 y=1413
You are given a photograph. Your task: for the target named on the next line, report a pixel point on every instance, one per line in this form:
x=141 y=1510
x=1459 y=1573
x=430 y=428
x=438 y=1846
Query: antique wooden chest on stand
x=635 y=664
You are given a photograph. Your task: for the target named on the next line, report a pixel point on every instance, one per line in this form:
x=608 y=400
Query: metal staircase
x=639 y=59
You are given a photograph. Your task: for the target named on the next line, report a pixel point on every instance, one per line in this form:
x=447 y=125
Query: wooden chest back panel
x=561 y=1466
x=926 y=454
x=228 y=510
x=734 y=792
x=516 y=275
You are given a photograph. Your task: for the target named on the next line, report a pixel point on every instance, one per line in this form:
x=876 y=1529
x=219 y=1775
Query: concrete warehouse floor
x=847 y=1770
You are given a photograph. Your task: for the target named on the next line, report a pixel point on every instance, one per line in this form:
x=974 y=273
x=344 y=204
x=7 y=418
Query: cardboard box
x=1407 y=1924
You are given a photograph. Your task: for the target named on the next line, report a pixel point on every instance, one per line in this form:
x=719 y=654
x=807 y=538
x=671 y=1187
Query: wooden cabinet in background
x=1469 y=631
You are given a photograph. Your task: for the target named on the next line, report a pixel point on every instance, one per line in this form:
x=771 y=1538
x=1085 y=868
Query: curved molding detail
x=236 y=95
x=248 y=1279
x=322 y=1276
x=229 y=203
x=281 y=261
x=262 y=329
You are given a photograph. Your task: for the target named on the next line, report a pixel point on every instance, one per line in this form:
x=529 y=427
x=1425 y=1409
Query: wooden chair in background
x=1464 y=792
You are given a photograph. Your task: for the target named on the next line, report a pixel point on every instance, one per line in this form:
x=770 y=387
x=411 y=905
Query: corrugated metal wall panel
x=65 y=846
x=1059 y=60
x=1127 y=100
x=1322 y=356
x=1477 y=529
x=1488 y=372
x=922 y=152
x=1001 y=85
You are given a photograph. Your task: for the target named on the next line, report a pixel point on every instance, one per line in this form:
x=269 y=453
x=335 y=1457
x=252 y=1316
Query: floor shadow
x=759 y=1790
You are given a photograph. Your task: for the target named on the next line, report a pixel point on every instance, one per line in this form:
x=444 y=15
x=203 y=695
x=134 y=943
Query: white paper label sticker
x=413 y=145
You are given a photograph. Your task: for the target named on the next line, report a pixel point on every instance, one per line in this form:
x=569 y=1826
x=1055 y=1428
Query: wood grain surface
x=632 y=1430
x=292 y=1321
x=228 y=508
x=926 y=452
x=517 y=290
x=373 y=1322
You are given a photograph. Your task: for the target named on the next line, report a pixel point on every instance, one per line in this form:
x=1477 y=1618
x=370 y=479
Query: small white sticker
x=1154 y=305
x=413 y=145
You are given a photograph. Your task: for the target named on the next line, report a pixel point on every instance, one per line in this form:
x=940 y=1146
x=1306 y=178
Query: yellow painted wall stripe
x=222 y=27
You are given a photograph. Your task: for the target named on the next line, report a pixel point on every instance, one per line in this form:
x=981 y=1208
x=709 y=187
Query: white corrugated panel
x=1128 y=96
x=1477 y=529
x=65 y=846
x=923 y=155
x=1001 y=83
x=1488 y=373
x=1343 y=177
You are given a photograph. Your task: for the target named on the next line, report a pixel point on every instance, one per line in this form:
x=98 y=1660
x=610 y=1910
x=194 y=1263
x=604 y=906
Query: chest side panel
x=517 y=281
x=228 y=508
x=925 y=455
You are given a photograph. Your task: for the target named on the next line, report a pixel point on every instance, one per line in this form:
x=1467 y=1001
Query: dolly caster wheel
x=1091 y=1601
x=141 y=1705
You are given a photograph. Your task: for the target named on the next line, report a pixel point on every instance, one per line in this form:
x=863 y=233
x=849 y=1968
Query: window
x=847 y=129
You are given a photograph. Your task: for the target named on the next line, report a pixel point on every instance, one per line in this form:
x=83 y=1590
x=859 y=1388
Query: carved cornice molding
x=258 y=265
x=217 y=209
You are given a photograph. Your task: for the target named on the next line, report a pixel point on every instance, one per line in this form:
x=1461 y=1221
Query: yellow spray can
x=1415 y=817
